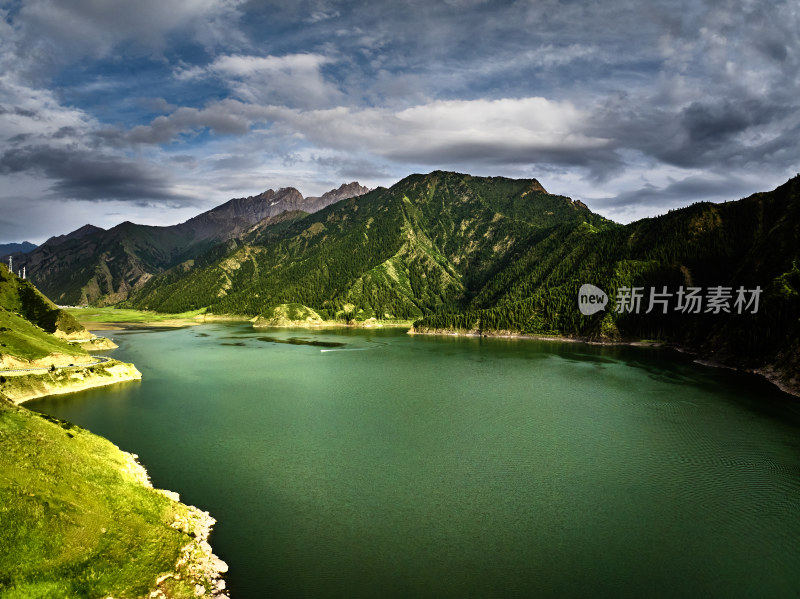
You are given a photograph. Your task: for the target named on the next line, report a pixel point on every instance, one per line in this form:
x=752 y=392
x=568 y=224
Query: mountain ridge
x=22 y=247
x=96 y=266
x=478 y=255
x=455 y=252
x=440 y=207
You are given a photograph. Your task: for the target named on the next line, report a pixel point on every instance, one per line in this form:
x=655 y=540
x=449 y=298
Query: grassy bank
x=106 y=318
x=77 y=518
x=23 y=339
x=22 y=386
x=284 y=316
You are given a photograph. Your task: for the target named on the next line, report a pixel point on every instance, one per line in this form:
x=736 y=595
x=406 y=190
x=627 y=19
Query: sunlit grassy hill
x=77 y=516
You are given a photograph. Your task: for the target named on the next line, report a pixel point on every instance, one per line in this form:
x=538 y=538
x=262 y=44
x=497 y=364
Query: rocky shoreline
x=327 y=324
x=197 y=566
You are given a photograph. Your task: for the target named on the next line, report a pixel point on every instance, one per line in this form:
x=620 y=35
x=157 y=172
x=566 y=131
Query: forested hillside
x=456 y=252
x=428 y=244
x=751 y=244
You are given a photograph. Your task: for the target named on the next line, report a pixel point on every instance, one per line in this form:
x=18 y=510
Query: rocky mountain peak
x=344 y=192
x=84 y=231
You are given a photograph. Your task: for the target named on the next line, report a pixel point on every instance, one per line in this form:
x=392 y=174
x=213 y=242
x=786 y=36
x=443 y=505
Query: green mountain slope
x=99 y=267
x=31 y=326
x=480 y=254
x=78 y=517
x=40 y=347
x=427 y=244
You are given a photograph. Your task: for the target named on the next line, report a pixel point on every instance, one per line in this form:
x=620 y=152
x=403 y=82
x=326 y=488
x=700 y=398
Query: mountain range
x=481 y=255
x=15 y=248
x=101 y=267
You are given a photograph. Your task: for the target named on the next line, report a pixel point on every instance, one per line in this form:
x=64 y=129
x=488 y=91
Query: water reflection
x=301 y=341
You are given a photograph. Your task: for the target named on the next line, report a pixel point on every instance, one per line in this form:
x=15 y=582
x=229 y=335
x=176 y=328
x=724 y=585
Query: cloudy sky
x=155 y=110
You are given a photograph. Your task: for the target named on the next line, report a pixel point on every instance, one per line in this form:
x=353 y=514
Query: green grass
x=73 y=521
x=21 y=297
x=22 y=339
x=111 y=315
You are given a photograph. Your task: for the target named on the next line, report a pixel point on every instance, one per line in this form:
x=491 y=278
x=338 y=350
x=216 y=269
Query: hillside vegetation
x=484 y=255
x=92 y=266
x=77 y=520
x=20 y=296
x=31 y=326
x=746 y=244
x=78 y=517
x=430 y=243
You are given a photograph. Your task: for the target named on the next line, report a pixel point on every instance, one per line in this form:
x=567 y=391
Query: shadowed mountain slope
x=100 y=267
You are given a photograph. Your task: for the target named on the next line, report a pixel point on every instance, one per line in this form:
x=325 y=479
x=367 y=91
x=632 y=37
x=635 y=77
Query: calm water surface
x=375 y=464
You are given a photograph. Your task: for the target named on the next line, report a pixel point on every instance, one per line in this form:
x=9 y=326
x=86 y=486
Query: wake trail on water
x=348 y=349
x=377 y=343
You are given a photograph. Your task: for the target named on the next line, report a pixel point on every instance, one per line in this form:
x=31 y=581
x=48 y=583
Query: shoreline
x=766 y=372
x=196 y=564
x=196 y=561
x=331 y=324
x=257 y=322
x=19 y=388
x=175 y=323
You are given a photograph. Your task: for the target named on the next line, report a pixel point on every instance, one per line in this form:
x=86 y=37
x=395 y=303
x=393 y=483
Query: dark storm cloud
x=69 y=29
x=66 y=133
x=20 y=138
x=601 y=162
x=707 y=133
x=164 y=128
x=710 y=187
x=79 y=174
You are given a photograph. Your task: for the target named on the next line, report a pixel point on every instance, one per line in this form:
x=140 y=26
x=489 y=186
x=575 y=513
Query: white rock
x=218 y=564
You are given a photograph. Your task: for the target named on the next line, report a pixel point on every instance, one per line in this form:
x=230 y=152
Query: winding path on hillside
x=100 y=360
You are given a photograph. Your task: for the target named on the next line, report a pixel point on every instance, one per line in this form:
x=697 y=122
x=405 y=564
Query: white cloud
x=516 y=130
x=36 y=113
x=252 y=66
x=534 y=122
x=294 y=79
x=448 y=131
x=322 y=15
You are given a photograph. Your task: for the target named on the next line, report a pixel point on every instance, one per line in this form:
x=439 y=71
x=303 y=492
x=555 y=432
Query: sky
x=155 y=110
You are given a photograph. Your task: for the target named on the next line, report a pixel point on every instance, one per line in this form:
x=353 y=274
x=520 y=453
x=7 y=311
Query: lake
x=371 y=463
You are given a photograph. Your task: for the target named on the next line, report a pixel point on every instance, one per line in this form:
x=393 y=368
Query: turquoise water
x=376 y=464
